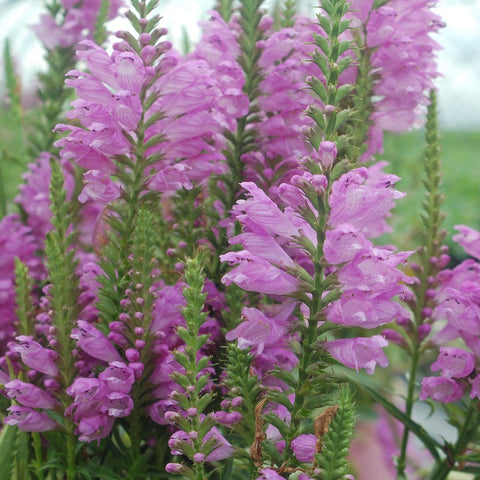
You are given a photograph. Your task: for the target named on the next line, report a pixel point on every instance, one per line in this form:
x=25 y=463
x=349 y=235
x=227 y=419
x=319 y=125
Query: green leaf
x=373 y=389
x=8 y=438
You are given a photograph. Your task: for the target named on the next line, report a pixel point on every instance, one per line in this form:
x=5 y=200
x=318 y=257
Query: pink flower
x=257 y=331
x=443 y=390
x=29 y=395
x=269 y=474
x=454 y=362
x=94 y=428
x=29 y=420
x=304 y=447
x=359 y=352
x=262 y=215
x=256 y=274
x=35 y=356
x=119 y=404
x=94 y=342
x=118 y=377
x=469 y=239
x=363 y=198
x=222 y=449
x=98 y=186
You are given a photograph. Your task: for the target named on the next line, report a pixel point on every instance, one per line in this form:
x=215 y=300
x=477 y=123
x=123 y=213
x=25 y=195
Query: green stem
x=37 y=445
x=71 y=442
x=401 y=463
x=441 y=470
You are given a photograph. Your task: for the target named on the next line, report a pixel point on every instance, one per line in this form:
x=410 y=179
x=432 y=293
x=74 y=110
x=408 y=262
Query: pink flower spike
x=35 y=356
x=454 y=362
x=29 y=395
x=29 y=420
x=94 y=342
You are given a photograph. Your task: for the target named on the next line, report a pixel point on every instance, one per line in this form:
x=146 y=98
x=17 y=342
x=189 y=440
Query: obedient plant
x=197 y=281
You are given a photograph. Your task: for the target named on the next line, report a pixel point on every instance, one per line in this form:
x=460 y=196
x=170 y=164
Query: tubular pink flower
x=94 y=342
x=454 y=362
x=35 y=356
x=29 y=420
x=469 y=239
x=304 y=447
x=118 y=377
x=29 y=395
x=359 y=352
x=222 y=449
x=443 y=390
x=94 y=428
x=256 y=274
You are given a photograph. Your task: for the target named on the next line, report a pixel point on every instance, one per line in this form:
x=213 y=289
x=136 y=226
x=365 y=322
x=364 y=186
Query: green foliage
x=61 y=265
x=53 y=94
x=336 y=442
x=288 y=13
x=24 y=289
x=12 y=82
x=8 y=439
x=241 y=382
x=243 y=140
x=194 y=378
x=330 y=60
x=224 y=8
x=100 y=33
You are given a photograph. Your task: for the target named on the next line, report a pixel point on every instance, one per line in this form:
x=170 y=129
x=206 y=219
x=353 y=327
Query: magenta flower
x=363 y=198
x=94 y=342
x=98 y=186
x=343 y=243
x=94 y=428
x=35 y=356
x=304 y=447
x=256 y=274
x=29 y=420
x=118 y=377
x=222 y=449
x=469 y=239
x=89 y=397
x=269 y=474
x=359 y=352
x=257 y=331
x=119 y=404
x=443 y=390
x=454 y=362
x=475 y=387
x=261 y=213
x=29 y=395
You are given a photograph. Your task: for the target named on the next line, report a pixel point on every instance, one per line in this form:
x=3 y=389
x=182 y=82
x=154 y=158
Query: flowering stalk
x=23 y=295
x=192 y=396
x=336 y=440
x=243 y=140
x=63 y=295
x=432 y=257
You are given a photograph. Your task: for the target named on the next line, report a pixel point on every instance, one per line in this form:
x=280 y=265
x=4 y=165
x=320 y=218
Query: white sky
x=459 y=61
